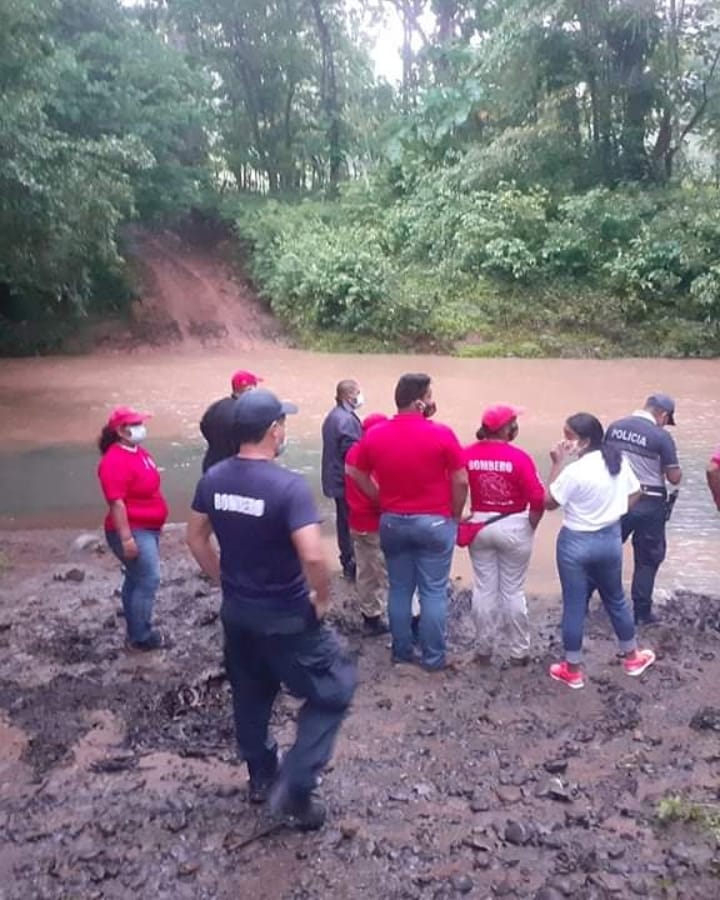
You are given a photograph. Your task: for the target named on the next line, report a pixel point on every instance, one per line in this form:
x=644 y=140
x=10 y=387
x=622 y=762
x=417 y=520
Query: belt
x=653 y=490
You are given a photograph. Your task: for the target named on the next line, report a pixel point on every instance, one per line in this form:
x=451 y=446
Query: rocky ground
x=119 y=778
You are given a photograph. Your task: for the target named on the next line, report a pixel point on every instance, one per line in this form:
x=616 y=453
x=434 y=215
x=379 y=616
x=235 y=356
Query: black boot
x=374 y=626
x=302 y=809
x=262 y=777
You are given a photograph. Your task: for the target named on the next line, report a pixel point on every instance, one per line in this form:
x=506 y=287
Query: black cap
x=259 y=408
x=664 y=402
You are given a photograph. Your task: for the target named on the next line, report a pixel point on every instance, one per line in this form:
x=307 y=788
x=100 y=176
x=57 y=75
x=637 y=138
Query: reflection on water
x=52 y=409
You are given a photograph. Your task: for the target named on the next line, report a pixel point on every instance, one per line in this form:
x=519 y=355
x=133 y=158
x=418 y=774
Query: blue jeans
x=585 y=558
x=418 y=551
x=142 y=579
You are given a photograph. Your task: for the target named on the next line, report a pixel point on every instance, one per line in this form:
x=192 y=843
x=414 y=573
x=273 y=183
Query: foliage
x=676 y=808
x=96 y=114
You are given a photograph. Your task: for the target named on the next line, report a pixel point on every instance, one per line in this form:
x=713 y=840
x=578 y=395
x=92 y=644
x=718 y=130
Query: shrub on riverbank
x=440 y=262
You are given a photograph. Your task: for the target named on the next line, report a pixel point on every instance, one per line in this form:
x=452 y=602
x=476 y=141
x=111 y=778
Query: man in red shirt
x=364 y=520
x=421 y=487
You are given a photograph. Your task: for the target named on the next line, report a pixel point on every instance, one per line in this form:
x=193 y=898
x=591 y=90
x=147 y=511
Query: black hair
x=589 y=428
x=108 y=437
x=484 y=434
x=411 y=387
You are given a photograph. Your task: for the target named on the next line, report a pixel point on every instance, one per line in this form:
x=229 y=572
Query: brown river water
x=52 y=410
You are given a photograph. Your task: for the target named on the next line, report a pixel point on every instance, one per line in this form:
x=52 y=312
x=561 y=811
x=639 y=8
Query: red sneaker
x=561 y=672
x=636 y=666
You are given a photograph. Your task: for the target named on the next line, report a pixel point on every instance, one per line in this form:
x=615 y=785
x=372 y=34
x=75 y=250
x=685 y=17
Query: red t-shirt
x=131 y=475
x=503 y=478
x=363 y=513
x=412 y=460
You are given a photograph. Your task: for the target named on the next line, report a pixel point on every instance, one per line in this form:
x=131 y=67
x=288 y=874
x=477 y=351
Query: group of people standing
x=400 y=486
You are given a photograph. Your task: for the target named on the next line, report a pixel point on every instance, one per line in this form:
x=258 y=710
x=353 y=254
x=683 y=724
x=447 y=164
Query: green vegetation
x=705 y=816
x=543 y=181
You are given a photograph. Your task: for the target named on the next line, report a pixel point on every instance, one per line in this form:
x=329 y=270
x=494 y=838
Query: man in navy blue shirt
x=652 y=454
x=275 y=593
x=340 y=430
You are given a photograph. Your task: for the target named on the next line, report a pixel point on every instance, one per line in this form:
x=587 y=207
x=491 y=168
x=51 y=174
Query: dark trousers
x=646 y=523
x=345 y=545
x=312 y=666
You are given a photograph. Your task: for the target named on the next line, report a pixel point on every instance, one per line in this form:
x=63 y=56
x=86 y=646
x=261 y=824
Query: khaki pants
x=371 y=581
x=500 y=556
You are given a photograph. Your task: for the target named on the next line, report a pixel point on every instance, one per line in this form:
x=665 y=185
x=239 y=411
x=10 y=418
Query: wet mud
x=119 y=775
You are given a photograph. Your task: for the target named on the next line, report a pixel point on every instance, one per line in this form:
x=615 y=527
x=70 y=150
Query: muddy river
x=53 y=408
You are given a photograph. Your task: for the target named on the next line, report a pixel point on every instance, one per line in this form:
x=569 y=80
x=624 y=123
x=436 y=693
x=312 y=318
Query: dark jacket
x=216 y=428
x=340 y=430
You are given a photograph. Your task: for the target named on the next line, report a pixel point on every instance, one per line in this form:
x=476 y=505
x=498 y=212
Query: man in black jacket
x=340 y=430
x=216 y=426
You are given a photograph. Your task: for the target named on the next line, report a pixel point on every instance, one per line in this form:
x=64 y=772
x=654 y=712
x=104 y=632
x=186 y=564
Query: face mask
x=137 y=433
x=357 y=401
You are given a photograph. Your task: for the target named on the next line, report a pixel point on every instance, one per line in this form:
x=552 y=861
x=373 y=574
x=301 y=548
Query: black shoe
x=374 y=626
x=649 y=619
x=303 y=811
x=156 y=641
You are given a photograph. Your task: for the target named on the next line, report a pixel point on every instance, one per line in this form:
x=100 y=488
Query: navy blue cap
x=259 y=408
x=664 y=402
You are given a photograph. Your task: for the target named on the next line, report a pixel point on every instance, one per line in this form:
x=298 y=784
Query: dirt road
x=119 y=776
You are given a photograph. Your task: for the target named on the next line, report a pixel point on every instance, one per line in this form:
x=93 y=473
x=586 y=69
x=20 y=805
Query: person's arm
x=364 y=482
x=198 y=537
x=713 y=480
x=308 y=545
x=673 y=474
x=118 y=511
x=557 y=479
x=459 y=487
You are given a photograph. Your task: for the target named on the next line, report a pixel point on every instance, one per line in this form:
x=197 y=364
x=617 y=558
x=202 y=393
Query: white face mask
x=573 y=448
x=358 y=401
x=137 y=433
x=281 y=447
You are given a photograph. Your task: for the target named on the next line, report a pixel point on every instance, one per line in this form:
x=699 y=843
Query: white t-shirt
x=591 y=497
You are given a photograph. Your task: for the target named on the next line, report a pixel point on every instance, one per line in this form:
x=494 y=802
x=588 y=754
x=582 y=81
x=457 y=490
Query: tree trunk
x=330 y=96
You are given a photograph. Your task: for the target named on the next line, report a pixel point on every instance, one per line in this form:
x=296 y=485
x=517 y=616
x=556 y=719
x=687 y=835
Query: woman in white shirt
x=595 y=488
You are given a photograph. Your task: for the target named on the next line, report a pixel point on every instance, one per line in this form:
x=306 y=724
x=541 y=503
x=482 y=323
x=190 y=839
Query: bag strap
x=496 y=518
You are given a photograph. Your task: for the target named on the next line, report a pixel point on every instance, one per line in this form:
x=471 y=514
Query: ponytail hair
x=589 y=428
x=481 y=434
x=108 y=437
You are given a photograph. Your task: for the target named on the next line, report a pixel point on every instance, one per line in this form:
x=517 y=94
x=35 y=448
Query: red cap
x=243 y=379
x=495 y=417
x=373 y=419
x=126 y=415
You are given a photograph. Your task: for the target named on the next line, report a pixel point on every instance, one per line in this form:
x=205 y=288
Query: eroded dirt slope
x=119 y=775
x=190 y=294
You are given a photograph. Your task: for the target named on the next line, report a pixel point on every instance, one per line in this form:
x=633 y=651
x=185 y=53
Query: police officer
x=340 y=430
x=215 y=424
x=275 y=593
x=651 y=452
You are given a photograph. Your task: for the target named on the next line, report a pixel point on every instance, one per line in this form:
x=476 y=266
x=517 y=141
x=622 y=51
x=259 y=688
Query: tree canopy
x=114 y=111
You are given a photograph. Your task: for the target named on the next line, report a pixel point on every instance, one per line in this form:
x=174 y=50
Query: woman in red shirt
x=137 y=511
x=506 y=497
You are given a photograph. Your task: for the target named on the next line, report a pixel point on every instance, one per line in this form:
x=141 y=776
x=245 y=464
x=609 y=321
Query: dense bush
x=436 y=258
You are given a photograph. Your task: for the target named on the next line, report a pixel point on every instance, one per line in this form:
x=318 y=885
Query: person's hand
x=320 y=605
x=558 y=453
x=129 y=548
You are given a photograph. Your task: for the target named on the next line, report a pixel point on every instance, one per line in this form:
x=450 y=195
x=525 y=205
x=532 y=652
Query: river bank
x=119 y=774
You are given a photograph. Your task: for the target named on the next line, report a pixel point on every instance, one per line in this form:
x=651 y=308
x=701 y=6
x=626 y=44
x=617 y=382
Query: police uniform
x=651 y=451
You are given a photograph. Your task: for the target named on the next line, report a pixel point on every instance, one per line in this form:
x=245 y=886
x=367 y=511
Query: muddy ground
x=119 y=777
